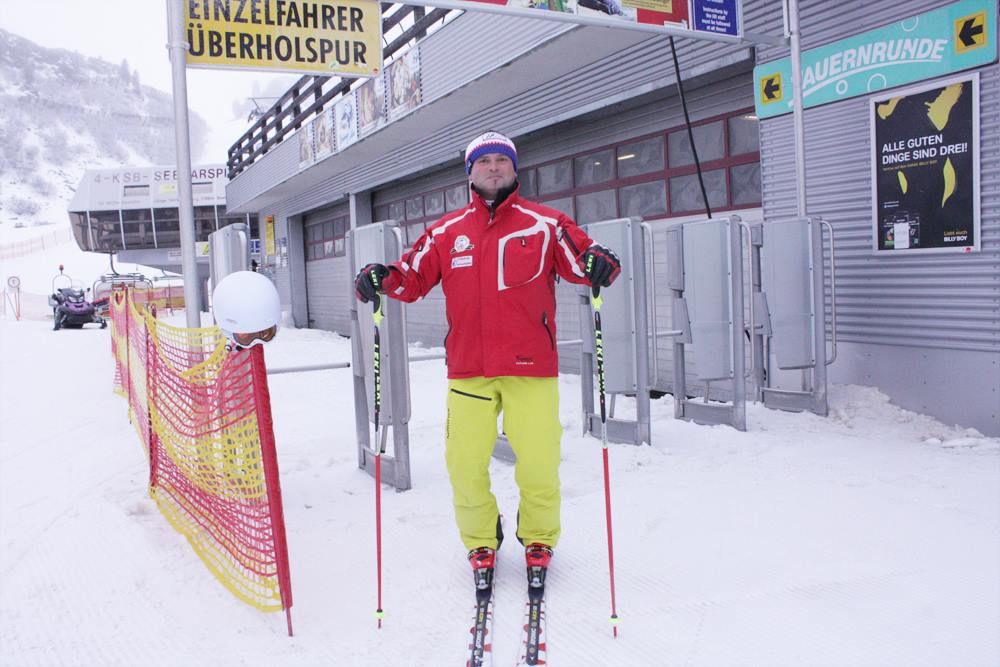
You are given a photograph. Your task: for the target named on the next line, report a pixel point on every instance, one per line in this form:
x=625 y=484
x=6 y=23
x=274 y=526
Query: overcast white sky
x=137 y=31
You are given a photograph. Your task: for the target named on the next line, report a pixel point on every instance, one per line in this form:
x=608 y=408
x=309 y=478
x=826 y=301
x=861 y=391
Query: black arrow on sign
x=771 y=88
x=969 y=31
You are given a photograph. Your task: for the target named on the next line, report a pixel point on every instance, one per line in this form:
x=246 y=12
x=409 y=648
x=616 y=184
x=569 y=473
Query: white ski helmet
x=246 y=303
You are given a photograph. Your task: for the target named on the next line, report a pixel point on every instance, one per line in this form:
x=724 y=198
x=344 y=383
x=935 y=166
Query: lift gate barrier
x=381 y=242
x=727 y=330
x=625 y=328
x=790 y=309
x=706 y=279
x=784 y=320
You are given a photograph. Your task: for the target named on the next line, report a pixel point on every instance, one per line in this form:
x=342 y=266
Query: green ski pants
x=530 y=407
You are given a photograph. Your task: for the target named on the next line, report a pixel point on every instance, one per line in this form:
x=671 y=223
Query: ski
x=533 y=648
x=481 y=641
x=533 y=642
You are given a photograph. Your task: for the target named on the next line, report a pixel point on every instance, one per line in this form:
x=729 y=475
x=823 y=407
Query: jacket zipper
x=545 y=323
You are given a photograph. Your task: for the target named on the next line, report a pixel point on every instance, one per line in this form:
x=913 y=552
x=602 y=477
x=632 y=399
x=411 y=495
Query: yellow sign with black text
x=269 y=242
x=970 y=32
x=770 y=89
x=335 y=37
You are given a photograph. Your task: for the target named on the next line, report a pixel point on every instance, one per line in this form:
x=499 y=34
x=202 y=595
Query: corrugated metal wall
x=900 y=308
x=328 y=283
x=929 y=300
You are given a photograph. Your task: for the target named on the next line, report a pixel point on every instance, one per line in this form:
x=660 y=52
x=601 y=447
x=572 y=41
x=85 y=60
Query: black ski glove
x=370 y=281
x=600 y=265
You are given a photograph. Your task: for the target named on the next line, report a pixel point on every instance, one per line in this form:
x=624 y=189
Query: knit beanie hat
x=489 y=142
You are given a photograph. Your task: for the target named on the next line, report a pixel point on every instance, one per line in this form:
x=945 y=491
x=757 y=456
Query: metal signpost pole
x=177 y=48
x=797 y=120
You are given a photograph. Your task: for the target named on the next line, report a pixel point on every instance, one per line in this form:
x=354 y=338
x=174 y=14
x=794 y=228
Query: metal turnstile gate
x=625 y=327
x=381 y=242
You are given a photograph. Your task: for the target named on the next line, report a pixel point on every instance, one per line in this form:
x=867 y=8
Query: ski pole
x=377 y=316
x=596 y=302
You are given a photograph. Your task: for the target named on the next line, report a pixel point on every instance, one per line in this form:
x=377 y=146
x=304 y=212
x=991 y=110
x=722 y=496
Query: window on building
x=685 y=191
x=643 y=199
x=168 y=227
x=414 y=208
x=204 y=222
x=81 y=231
x=594 y=168
x=397 y=211
x=595 y=206
x=744 y=134
x=324 y=238
x=745 y=181
x=709 y=138
x=564 y=204
x=555 y=177
x=138 y=227
x=649 y=177
x=640 y=157
x=456 y=196
x=434 y=203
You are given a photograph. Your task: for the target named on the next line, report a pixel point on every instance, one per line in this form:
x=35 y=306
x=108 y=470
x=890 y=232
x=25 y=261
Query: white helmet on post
x=247 y=308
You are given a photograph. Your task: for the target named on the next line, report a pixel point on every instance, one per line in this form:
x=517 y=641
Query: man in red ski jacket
x=497 y=261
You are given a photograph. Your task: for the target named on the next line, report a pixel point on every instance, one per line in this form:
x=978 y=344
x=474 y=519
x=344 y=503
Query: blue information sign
x=718 y=16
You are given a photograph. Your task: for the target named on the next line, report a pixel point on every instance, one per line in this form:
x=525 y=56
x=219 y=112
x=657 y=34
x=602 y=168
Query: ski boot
x=537 y=557
x=483 y=561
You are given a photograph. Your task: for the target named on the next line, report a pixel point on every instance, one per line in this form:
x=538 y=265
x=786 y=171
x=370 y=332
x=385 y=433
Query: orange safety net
x=203 y=414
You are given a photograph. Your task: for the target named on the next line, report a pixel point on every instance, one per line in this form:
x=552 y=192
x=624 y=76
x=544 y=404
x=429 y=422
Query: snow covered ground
x=871 y=537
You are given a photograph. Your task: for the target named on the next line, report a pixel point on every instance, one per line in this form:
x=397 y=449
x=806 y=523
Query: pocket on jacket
x=521 y=259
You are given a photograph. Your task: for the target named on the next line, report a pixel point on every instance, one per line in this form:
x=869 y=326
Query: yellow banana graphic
x=903 y=185
x=939 y=110
x=949 y=181
x=885 y=110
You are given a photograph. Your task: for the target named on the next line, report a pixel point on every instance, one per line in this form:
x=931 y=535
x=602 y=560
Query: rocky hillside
x=62 y=113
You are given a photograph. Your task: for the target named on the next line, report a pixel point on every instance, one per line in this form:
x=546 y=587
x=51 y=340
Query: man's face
x=491 y=173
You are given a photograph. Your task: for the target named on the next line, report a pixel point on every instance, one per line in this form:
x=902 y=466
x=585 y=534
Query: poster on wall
x=322 y=135
x=925 y=168
x=306 y=148
x=346 y=120
x=718 y=16
x=371 y=106
x=404 y=83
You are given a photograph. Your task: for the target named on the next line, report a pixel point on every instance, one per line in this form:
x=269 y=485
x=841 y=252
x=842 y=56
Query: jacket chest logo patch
x=462 y=243
x=459 y=262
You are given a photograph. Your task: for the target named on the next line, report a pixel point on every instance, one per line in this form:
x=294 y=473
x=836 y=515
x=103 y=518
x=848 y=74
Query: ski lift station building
x=900 y=157
x=133 y=212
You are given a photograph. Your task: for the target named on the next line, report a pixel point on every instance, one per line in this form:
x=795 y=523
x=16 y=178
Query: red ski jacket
x=498 y=275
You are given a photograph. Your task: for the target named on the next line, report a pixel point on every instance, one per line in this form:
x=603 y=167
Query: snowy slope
x=871 y=537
